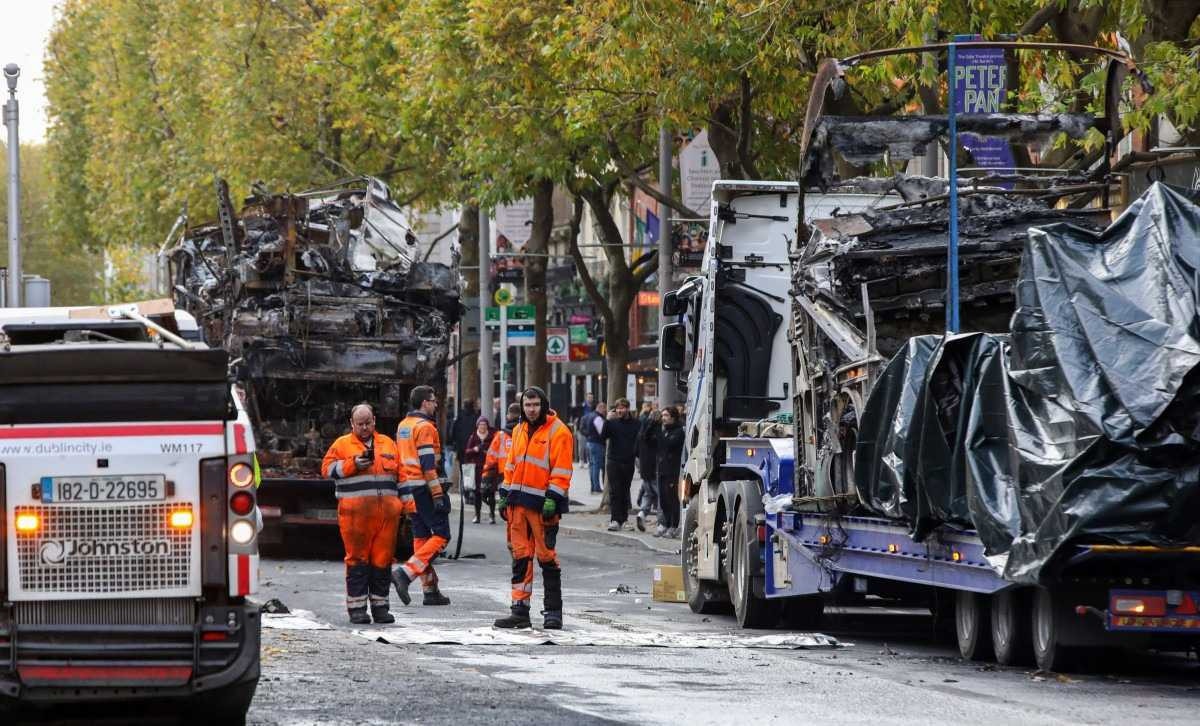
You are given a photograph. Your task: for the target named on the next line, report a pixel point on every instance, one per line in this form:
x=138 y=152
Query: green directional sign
x=518 y=316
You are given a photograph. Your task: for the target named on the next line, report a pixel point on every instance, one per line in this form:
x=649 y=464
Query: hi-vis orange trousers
x=368 y=525
x=530 y=536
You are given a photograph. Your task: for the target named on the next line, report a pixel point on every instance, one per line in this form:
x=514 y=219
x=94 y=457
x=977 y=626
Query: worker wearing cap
x=424 y=487
x=537 y=477
x=363 y=466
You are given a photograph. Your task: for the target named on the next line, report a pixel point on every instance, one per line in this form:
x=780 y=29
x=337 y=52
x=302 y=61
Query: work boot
x=435 y=597
x=382 y=616
x=401 y=582
x=552 y=620
x=358 y=616
x=518 y=619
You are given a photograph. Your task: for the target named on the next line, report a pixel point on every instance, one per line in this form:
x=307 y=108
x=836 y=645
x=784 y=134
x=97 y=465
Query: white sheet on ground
x=427 y=635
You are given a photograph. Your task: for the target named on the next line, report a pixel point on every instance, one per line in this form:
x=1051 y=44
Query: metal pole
x=11 y=73
x=485 y=336
x=503 y=356
x=666 y=383
x=952 y=256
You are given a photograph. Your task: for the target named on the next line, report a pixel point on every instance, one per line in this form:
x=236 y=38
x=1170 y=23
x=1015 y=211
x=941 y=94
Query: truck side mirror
x=672 y=347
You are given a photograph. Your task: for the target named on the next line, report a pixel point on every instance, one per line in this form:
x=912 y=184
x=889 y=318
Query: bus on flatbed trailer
x=793 y=325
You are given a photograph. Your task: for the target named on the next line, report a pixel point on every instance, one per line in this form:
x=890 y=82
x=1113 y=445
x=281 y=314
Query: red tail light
x=241 y=503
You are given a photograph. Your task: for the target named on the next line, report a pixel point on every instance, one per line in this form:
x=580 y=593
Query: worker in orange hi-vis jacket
x=533 y=497
x=363 y=466
x=421 y=485
x=497 y=453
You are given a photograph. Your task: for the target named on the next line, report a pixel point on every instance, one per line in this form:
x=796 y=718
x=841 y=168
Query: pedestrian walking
x=533 y=498
x=419 y=447
x=593 y=429
x=497 y=455
x=669 y=440
x=647 y=457
x=475 y=455
x=620 y=433
x=363 y=466
x=457 y=434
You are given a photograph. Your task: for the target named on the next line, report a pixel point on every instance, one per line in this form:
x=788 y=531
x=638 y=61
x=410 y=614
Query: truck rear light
x=28 y=523
x=241 y=531
x=241 y=503
x=1147 y=605
x=241 y=475
x=182 y=519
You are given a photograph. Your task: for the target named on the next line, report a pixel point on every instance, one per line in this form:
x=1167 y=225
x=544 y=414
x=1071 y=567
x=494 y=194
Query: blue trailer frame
x=808 y=553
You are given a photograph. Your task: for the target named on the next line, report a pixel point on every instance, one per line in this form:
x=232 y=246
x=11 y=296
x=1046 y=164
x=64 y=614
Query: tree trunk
x=468 y=236
x=536 y=369
x=621 y=295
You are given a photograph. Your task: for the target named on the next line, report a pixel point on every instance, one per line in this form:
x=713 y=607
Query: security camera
x=11 y=73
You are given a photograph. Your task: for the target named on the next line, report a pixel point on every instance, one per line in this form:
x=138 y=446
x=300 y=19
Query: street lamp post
x=11 y=73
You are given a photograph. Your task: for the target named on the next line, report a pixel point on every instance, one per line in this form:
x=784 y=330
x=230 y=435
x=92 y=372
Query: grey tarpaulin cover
x=1080 y=426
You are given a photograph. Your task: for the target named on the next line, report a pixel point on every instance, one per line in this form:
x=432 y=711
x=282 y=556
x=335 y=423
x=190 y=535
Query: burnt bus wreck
x=323 y=299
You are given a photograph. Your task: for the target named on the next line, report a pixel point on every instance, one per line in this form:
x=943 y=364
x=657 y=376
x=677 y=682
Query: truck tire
x=971 y=629
x=750 y=610
x=1046 y=621
x=1010 y=622
x=705 y=598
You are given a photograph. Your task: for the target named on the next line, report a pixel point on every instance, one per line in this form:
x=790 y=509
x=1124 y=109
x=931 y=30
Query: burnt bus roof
x=831 y=131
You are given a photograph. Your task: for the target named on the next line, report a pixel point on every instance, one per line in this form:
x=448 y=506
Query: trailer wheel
x=1048 y=650
x=971 y=625
x=705 y=598
x=1010 y=622
x=751 y=611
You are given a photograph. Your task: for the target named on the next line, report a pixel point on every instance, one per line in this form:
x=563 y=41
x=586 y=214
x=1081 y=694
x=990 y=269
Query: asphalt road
x=890 y=668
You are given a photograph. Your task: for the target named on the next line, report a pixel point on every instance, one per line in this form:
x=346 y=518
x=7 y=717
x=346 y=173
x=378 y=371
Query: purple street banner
x=980 y=86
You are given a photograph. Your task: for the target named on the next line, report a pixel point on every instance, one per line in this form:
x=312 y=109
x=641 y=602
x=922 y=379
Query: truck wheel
x=971 y=625
x=1048 y=651
x=751 y=611
x=703 y=597
x=1010 y=627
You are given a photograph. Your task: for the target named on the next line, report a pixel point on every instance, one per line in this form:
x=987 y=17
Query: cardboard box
x=667 y=585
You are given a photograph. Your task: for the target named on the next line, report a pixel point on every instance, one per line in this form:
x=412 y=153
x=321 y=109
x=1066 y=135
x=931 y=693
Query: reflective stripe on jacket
x=420 y=447
x=539 y=465
x=348 y=481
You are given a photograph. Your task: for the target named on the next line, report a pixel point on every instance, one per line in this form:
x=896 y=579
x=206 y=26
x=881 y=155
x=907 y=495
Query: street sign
x=522 y=337
x=557 y=345
x=518 y=316
x=503 y=296
x=579 y=334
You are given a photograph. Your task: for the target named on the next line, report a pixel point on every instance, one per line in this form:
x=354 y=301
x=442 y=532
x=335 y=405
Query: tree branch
x=585 y=275
x=747 y=127
x=1039 y=19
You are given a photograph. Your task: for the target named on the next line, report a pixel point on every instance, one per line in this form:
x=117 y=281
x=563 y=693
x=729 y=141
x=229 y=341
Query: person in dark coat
x=647 y=454
x=475 y=453
x=668 y=437
x=620 y=432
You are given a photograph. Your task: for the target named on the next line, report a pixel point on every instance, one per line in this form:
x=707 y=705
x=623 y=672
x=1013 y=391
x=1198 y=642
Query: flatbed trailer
x=1100 y=595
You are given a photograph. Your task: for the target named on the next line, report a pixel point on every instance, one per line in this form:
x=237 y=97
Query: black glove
x=441 y=504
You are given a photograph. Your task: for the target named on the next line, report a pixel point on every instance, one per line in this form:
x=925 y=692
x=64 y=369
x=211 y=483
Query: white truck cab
x=729 y=341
